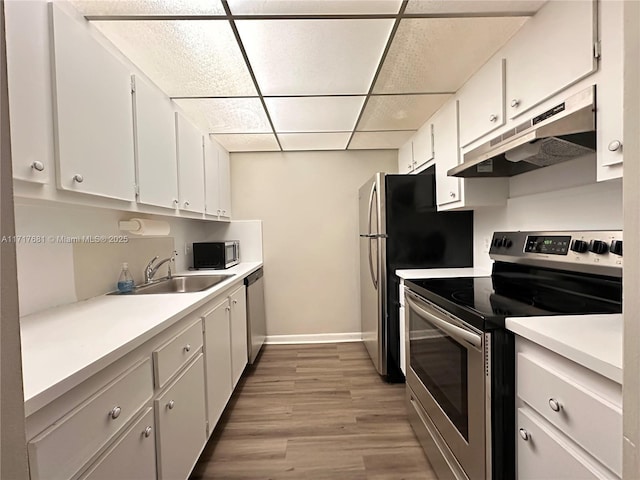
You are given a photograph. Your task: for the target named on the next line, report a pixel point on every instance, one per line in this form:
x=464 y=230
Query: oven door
x=447 y=375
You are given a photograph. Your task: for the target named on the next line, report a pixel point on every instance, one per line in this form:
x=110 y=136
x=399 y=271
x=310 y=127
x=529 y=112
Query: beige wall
x=308 y=202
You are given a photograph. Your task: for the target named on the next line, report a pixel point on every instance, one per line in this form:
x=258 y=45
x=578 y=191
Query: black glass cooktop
x=487 y=301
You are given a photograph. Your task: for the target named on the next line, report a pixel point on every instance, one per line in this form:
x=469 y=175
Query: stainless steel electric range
x=460 y=375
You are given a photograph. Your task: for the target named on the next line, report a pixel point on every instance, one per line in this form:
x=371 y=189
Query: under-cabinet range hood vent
x=562 y=133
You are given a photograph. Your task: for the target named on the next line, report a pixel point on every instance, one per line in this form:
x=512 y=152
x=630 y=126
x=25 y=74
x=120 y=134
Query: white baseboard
x=314 y=338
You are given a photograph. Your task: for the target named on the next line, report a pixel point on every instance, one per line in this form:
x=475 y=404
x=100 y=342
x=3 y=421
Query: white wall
x=46 y=275
x=562 y=197
x=308 y=202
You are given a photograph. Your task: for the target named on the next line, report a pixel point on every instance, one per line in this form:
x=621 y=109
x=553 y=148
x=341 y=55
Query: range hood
x=562 y=133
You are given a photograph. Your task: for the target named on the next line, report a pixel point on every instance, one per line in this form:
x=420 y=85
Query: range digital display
x=551 y=245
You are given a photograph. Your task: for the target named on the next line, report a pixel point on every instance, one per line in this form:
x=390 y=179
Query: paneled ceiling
x=270 y=75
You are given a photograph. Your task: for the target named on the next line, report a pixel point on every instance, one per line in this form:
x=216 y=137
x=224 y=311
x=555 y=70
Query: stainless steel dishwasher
x=256 y=320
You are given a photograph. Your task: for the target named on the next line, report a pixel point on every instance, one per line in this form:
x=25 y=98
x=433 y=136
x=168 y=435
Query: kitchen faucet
x=151 y=269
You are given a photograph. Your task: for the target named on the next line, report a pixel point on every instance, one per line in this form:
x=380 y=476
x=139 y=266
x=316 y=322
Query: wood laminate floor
x=317 y=412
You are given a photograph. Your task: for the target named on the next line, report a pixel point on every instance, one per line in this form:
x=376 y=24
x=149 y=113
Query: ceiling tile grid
x=308 y=74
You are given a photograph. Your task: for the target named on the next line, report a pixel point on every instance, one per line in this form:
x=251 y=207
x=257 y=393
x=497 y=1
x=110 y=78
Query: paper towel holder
x=144 y=227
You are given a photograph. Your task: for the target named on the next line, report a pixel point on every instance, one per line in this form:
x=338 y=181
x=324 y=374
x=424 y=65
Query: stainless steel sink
x=180 y=284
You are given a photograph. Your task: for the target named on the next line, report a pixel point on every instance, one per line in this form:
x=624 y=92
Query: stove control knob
x=579 y=246
x=506 y=242
x=616 y=247
x=497 y=242
x=598 y=247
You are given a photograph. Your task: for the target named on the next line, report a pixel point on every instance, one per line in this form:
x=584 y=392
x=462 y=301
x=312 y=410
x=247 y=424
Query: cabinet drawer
x=62 y=449
x=169 y=358
x=132 y=456
x=545 y=454
x=592 y=421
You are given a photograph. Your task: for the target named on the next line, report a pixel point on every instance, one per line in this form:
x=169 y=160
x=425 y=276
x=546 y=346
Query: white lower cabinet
x=181 y=423
x=132 y=456
x=217 y=341
x=239 y=353
x=569 y=422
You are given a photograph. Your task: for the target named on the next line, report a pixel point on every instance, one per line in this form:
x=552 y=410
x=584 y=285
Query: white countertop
x=593 y=341
x=63 y=346
x=410 y=274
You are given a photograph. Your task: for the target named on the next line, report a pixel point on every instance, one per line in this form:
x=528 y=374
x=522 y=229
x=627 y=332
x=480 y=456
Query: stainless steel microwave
x=217 y=255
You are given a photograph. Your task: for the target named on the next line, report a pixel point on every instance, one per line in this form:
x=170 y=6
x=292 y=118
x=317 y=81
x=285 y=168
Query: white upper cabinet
x=405 y=158
x=92 y=113
x=155 y=134
x=445 y=143
x=190 y=165
x=553 y=50
x=481 y=102
x=211 y=178
x=422 y=146
x=29 y=84
x=224 y=170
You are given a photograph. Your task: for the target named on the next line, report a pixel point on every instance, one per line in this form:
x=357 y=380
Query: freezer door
x=373 y=271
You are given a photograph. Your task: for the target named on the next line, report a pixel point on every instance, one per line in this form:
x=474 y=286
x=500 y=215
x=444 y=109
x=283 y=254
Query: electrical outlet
x=187 y=249
x=487 y=244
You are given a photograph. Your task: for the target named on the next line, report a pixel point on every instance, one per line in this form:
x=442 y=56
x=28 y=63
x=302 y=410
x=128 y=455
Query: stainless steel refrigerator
x=400 y=228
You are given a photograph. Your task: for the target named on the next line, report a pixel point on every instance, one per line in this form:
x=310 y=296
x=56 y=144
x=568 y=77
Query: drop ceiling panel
x=442 y=7
x=314 y=57
x=314 y=7
x=314 y=141
x=227 y=115
x=249 y=142
x=314 y=114
x=148 y=7
x=184 y=58
x=440 y=54
x=380 y=140
x=399 y=112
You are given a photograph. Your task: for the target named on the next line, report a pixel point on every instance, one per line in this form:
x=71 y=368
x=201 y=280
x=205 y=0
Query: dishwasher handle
x=253 y=278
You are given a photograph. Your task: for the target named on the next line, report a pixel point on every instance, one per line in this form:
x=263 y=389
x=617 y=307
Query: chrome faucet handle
x=149 y=269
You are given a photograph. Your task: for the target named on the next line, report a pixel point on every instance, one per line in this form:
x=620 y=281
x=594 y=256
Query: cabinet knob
x=186 y=204
x=224 y=211
x=78 y=178
x=615 y=145
x=175 y=202
x=493 y=118
x=235 y=302
x=115 y=412
x=452 y=194
x=524 y=434
x=187 y=348
x=36 y=165
x=171 y=404
x=227 y=308
x=515 y=103
x=554 y=405
x=410 y=166
x=147 y=432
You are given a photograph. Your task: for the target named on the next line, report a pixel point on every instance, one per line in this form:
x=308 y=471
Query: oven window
x=441 y=364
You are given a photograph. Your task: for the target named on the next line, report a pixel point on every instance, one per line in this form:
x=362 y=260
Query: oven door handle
x=456 y=332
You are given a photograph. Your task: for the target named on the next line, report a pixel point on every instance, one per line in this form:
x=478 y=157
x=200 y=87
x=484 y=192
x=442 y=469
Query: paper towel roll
x=145 y=227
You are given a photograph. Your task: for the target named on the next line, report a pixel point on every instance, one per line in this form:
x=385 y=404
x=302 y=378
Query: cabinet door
x=217 y=345
x=181 y=423
x=481 y=102
x=155 y=134
x=445 y=142
x=553 y=50
x=239 y=354
x=190 y=165
x=422 y=146
x=92 y=112
x=211 y=178
x=132 y=456
x=224 y=169
x=29 y=84
x=405 y=158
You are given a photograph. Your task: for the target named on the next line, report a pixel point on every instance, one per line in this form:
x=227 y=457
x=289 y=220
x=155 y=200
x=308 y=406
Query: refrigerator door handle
x=372 y=236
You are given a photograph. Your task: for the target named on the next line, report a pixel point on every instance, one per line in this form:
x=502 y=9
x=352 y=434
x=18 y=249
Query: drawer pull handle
x=115 y=412
x=171 y=404
x=78 y=178
x=554 y=405
x=524 y=434
x=187 y=348
x=515 y=103
x=147 y=432
x=493 y=118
